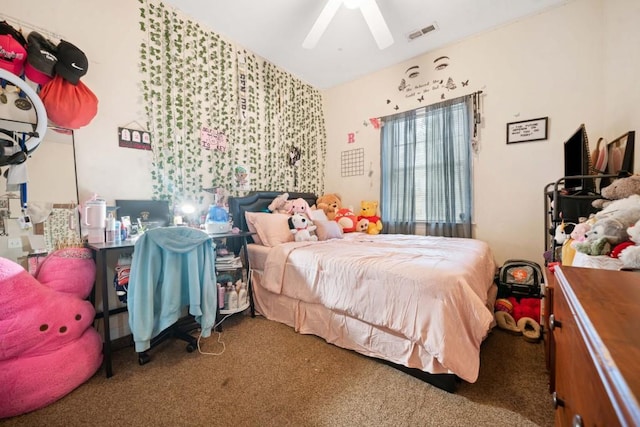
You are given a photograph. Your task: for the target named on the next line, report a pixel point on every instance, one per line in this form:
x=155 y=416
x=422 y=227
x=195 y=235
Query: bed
x=422 y=304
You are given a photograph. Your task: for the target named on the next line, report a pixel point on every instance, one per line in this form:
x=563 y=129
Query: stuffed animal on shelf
x=330 y=203
x=368 y=211
x=299 y=226
x=620 y=188
x=630 y=256
x=280 y=204
x=48 y=345
x=603 y=236
x=346 y=219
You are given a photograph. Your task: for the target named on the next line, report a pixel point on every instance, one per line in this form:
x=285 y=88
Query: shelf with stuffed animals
x=606 y=235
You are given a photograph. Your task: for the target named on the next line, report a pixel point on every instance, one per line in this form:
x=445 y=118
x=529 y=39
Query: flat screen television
x=577 y=161
x=152 y=213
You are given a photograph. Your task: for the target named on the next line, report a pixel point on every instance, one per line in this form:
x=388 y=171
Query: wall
x=568 y=64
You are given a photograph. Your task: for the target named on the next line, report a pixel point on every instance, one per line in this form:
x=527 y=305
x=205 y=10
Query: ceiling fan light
x=353 y=4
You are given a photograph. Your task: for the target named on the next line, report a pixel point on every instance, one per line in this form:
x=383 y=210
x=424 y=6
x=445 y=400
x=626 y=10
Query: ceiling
x=275 y=30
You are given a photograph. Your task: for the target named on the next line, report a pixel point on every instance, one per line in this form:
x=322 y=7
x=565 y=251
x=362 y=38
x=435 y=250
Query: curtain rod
x=22 y=23
x=476 y=93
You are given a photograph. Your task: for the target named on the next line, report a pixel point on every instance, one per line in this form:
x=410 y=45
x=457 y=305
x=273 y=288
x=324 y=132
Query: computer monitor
x=577 y=161
x=152 y=213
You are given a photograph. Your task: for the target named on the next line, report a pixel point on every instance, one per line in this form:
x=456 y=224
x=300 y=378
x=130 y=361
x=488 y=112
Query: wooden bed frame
x=258 y=202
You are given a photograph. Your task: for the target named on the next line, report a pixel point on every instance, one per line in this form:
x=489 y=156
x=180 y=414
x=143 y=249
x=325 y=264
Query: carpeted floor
x=269 y=375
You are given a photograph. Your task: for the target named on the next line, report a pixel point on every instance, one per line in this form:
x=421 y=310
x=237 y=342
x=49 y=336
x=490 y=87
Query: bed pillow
x=272 y=228
x=326 y=230
x=317 y=215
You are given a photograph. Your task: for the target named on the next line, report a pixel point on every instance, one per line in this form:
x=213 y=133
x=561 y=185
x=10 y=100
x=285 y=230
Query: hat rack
x=21 y=23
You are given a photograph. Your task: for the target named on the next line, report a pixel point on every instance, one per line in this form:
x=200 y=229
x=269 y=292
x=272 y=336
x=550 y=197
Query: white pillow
x=317 y=215
x=326 y=230
x=272 y=228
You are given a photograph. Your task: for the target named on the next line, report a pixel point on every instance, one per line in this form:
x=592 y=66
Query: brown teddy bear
x=620 y=188
x=330 y=203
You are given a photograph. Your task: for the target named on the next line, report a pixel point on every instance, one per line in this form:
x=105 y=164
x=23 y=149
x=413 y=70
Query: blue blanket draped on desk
x=171 y=267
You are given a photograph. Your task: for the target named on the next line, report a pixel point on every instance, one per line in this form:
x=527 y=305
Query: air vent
x=419 y=33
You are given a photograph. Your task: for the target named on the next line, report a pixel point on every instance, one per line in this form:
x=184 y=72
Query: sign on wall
x=134 y=138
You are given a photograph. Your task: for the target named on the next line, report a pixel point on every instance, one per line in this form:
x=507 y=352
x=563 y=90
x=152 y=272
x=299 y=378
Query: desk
x=100 y=251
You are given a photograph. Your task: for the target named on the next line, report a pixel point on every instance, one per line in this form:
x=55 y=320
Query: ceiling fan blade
x=321 y=23
x=376 y=23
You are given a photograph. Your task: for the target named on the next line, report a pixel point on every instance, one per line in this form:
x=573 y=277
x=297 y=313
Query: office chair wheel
x=190 y=348
x=143 y=358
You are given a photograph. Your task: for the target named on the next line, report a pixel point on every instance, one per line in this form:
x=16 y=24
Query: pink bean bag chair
x=48 y=345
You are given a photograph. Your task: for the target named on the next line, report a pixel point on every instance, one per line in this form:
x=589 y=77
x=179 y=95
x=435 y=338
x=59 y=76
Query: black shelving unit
x=562 y=204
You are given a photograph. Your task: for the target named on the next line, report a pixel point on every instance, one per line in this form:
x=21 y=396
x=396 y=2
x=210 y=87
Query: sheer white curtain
x=426 y=170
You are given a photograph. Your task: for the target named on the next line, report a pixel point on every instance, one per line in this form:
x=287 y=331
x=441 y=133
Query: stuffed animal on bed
x=299 y=206
x=48 y=345
x=330 y=203
x=299 y=226
x=346 y=219
x=368 y=211
x=280 y=204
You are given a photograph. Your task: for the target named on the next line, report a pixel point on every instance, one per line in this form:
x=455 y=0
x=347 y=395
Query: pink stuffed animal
x=299 y=206
x=48 y=346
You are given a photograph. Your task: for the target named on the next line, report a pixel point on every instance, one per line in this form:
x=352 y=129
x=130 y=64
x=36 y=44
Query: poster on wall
x=134 y=138
x=212 y=139
x=527 y=130
x=242 y=178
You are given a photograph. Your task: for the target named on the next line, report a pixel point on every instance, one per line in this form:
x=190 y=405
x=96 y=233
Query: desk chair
x=171 y=267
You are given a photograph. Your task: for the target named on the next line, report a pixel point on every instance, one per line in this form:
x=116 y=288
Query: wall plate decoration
x=527 y=130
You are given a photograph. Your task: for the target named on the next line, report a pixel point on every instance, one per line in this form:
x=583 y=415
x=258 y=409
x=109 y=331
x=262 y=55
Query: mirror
x=51 y=218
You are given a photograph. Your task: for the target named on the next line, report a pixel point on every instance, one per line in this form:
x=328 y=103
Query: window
x=426 y=170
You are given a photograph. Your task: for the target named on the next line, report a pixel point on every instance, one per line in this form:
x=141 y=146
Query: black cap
x=72 y=62
x=41 y=53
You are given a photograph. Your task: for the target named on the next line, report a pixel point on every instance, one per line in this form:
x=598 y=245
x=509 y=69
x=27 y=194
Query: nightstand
x=236 y=265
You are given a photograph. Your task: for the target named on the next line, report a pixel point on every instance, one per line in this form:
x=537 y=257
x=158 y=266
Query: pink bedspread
x=431 y=290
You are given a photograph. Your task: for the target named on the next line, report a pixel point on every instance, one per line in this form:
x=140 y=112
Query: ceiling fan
x=372 y=16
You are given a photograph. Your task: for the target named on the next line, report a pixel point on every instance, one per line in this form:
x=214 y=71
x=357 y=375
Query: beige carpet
x=269 y=375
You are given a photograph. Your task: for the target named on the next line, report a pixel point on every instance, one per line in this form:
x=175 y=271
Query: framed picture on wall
x=527 y=130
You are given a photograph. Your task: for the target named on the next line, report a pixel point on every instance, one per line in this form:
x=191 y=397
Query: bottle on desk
x=242 y=294
x=233 y=297
x=221 y=296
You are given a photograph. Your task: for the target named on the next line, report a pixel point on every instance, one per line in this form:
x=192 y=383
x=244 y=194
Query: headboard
x=257 y=201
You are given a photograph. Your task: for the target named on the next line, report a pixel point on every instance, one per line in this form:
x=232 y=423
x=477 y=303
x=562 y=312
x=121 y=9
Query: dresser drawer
x=579 y=392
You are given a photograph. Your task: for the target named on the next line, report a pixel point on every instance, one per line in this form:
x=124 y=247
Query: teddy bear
x=630 y=256
x=620 y=188
x=280 y=204
x=300 y=228
x=48 y=345
x=330 y=203
x=346 y=219
x=368 y=210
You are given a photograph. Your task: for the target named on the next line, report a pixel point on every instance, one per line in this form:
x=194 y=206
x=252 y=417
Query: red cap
x=35 y=75
x=12 y=54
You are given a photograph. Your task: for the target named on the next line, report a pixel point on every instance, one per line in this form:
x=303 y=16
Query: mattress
x=422 y=302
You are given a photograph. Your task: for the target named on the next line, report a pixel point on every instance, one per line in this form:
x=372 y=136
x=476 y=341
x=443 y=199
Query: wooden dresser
x=594 y=346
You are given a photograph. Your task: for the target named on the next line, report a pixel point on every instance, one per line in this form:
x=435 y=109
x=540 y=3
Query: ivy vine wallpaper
x=221 y=116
